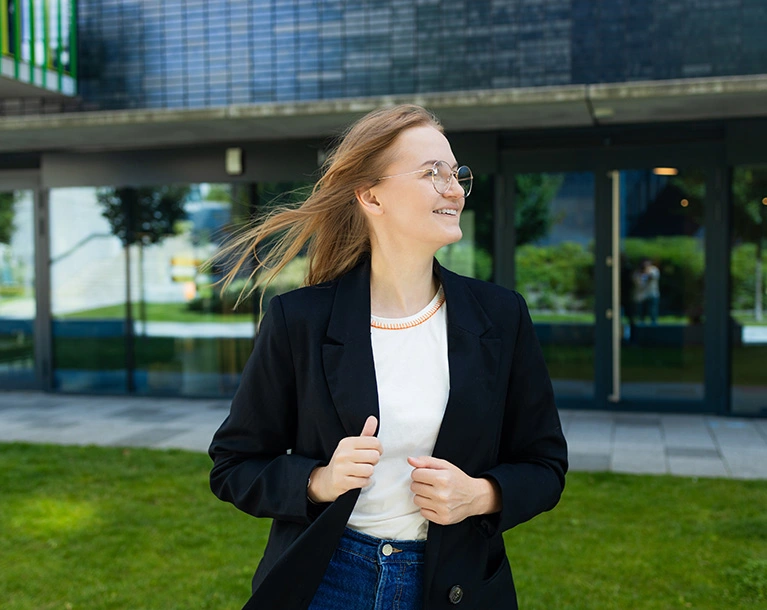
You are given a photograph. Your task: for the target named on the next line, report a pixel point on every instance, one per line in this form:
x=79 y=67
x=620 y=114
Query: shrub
x=743 y=270
x=559 y=277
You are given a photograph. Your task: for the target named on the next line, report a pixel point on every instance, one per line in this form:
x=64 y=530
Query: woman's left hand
x=447 y=495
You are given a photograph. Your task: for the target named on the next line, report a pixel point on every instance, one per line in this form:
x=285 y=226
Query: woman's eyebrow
x=433 y=161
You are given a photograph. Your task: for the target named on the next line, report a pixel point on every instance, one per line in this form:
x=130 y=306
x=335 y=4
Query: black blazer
x=310 y=382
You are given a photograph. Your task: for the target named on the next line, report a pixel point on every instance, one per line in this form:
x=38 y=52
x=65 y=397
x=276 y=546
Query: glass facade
x=39 y=37
x=662 y=289
x=473 y=254
x=659 y=286
x=193 y=53
x=17 y=289
x=554 y=221
x=134 y=307
x=748 y=292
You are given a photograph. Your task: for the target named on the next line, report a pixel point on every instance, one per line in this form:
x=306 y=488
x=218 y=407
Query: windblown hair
x=329 y=222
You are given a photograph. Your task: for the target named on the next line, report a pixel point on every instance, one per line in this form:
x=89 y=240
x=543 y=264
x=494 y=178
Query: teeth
x=447 y=212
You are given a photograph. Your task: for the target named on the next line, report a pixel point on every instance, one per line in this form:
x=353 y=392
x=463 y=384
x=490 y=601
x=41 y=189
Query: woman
x=446 y=370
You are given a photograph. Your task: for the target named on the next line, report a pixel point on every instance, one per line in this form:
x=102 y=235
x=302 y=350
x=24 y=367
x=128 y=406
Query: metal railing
x=40 y=37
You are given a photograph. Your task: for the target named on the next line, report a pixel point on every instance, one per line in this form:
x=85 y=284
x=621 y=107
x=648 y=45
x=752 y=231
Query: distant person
x=650 y=293
x=638 y=291
x=394 y=418
x=627 y=297
x=647 y=291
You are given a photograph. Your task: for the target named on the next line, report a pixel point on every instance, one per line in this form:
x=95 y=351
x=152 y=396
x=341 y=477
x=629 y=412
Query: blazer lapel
x=347 y=353
x=473 y=359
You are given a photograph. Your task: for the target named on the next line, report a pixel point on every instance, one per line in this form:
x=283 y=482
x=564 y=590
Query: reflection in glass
x=17 y=289
x=134 y=308
x=87 y=295
x=187 y=337
x=662 y=266
x=554 y=219
x=748 y=299
x=472 y=255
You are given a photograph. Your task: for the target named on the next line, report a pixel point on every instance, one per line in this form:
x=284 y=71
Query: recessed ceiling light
x=665 y=171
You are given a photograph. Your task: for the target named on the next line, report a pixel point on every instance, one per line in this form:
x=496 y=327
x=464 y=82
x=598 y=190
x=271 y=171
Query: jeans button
x=387 y=549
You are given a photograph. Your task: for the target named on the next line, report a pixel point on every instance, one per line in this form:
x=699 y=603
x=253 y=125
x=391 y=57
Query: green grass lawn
x=157 y=312
x=97 y=528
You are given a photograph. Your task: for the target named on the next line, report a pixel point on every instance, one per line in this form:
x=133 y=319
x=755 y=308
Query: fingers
x=369 y=429
x=360 y=443
x=427 y=461
x=432 y=511
x=358 y=456
x=354 y=459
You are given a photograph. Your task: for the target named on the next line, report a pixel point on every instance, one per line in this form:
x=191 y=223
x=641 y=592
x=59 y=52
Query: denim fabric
x=368 y=573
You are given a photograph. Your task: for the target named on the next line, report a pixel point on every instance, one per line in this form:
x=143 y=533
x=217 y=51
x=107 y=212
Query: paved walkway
x=692 y=445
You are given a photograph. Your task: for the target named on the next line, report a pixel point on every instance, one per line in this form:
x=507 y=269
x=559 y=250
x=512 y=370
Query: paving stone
x=638 y=419
x=686 y=431
x=692 y=452
x=639 y=462
x=148 y=438
x=697 y=466
x=745 y=463
x=591 y=430
x=586 y=447
x=11 y=431
x=594 y=462
x=737 y=434
x=688 y=445
x=148 y=414
x=194 y=440
x=638 y=436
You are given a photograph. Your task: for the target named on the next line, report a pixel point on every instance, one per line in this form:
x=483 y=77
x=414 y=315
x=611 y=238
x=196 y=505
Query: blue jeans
x=367 y=573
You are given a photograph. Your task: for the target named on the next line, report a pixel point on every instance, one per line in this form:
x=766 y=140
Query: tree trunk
x=142 y=299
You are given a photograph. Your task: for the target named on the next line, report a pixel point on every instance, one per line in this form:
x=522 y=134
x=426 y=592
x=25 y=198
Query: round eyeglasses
x=442 y=175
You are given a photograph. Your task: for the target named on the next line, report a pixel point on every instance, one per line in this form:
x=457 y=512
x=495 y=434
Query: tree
x=533 y=217
x=7 y=203
x=143 y=216
x=749 y=215
x=749 y=222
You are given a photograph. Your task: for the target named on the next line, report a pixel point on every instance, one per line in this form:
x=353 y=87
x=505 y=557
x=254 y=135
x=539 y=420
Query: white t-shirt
x=413 y=380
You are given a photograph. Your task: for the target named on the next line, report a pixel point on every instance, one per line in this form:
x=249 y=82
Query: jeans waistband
x=381 y=550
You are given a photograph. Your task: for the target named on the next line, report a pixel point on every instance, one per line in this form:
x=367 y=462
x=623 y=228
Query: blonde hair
x=329 y=220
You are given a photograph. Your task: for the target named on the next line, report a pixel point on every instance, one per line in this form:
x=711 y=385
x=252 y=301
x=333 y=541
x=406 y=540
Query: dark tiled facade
x=197 y=53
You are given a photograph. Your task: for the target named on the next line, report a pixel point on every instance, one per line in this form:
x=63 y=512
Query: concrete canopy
x=490 y=110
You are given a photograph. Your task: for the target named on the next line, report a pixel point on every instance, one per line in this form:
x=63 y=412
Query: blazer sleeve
x=252 y=464
x=533 y=452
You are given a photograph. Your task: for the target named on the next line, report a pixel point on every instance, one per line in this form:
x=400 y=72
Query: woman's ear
x=367 y=199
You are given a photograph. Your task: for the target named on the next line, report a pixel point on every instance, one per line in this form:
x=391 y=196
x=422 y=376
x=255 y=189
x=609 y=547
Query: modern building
x=620 y=150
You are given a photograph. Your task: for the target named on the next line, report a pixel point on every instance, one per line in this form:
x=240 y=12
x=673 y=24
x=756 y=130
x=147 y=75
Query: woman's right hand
x=350 y=467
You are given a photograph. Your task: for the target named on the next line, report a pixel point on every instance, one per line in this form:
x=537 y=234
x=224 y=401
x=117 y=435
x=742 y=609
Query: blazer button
x=456 y=594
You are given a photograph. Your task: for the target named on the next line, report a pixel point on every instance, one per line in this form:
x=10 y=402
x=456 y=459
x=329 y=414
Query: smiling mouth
x=447 y=212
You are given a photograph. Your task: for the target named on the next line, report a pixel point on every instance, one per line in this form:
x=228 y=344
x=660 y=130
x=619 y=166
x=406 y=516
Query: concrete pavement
x=641 y=443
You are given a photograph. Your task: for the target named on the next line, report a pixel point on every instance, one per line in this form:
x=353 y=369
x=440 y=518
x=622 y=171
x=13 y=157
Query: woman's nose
x=455 y=190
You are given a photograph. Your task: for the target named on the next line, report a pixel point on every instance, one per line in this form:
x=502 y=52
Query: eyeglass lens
x=444 y=174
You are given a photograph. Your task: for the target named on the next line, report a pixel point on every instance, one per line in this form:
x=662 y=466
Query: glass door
x=17 y=290
x=554 y=261
x=656 y=264
x=748 y=290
